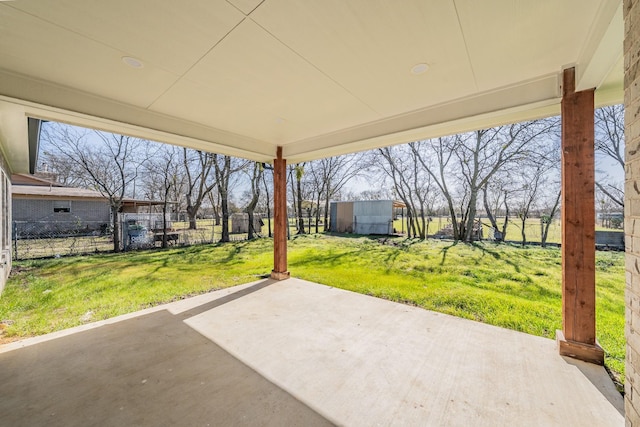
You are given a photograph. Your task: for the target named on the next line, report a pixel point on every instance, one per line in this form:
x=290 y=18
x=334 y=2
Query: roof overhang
x=241 y=77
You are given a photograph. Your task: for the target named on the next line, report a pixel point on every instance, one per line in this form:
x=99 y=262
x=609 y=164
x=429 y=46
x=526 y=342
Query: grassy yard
x=533 y=229
x=503 y=285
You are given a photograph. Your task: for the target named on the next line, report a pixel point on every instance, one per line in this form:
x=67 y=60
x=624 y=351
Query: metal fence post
x=15 y=240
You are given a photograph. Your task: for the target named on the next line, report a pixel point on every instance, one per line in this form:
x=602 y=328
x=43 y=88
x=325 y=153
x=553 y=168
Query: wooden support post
x=578 y=336
x=280 y=225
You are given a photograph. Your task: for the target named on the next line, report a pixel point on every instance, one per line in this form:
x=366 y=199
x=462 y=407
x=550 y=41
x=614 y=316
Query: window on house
x=62 y=205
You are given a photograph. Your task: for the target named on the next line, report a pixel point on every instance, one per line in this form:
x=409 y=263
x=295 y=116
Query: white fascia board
x=46 y=101
x=603 y=50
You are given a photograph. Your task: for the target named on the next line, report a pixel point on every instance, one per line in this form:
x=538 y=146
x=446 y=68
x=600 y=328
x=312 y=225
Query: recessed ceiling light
x=132 y=62
x=419 y=68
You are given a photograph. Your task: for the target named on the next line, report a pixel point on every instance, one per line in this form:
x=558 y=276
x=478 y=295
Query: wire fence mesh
x=46 y=239
x=39 y=239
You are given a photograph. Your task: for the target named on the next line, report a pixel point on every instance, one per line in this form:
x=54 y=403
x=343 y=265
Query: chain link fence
x=40 y=239
x=48 y=239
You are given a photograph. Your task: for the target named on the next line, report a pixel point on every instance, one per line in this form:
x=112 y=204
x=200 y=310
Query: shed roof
x=319 y=78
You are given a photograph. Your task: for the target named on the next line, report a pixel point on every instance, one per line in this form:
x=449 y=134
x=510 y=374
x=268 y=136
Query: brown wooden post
x=280 y=225
x=578 y=336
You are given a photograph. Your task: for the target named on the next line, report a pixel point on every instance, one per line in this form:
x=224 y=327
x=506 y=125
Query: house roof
x=61 y=192
x=319 y=78
x=26 y=179
x=38 y=191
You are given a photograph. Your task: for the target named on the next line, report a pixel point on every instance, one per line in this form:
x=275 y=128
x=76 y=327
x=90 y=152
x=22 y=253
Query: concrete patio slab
x=298 y=353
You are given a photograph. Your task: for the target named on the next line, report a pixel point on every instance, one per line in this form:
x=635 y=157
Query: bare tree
x=298 y=173
x=255 y=177
x=163 y=173
x=482 y=154
x=401 y=164
x=109 y=162
x=479 y=156
x=378 y=194
x=547 y=218
x=532 y=181
x=532 y=176
x=329 y=176
x=225 y=168
x=197 y=166
x=495 y=197
x=318 y=181
x=609 y=144
x=268 y=171
x=435 y=157
x=58 y=167
x=214 y=201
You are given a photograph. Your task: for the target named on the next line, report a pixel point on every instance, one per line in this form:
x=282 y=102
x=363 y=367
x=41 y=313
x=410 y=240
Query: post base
x=278 y=275
x=581 y=351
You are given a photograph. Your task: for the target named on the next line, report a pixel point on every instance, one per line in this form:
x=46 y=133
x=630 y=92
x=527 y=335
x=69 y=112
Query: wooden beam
x=279 y=271
x=578 y=336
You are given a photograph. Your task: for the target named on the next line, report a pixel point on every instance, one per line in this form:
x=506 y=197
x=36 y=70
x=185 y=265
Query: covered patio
x=292 y=352
x=287 y=81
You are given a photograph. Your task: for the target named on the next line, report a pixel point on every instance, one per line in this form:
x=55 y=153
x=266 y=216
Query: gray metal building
x=362 y=217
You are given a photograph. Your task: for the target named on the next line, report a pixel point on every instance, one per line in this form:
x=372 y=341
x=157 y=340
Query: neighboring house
x=42 y=207
x=5 y=220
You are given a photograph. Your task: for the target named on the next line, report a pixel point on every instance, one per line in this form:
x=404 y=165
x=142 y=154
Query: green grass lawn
x=504 y=285
x=533 y=229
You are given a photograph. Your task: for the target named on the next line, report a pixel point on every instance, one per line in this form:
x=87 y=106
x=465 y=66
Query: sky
x=605 y=167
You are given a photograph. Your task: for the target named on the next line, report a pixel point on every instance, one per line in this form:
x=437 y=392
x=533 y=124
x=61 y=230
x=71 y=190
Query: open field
x=533 y=229
x=504 y=285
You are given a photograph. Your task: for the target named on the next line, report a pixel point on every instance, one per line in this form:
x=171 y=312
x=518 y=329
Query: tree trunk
x=116 y=228
x=255 y=197
x=191 y=213
x=423 y=230
x=224 y=205
x=266 y=192
x=251 y=234
x=543 y=239
x=457 y=235
x=494 y=224
x=506 y=218
x=216 y=214
x=317 y=215
x=250 y=209
x=300 y=213
x=473 y=199
x=164 y=223
x=215 y=207
x=327 y=224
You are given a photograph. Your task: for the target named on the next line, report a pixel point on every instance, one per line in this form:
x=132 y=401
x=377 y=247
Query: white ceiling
x=318 y=77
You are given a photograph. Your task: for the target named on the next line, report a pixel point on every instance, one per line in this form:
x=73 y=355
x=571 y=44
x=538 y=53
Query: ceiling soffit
x=241 y=77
